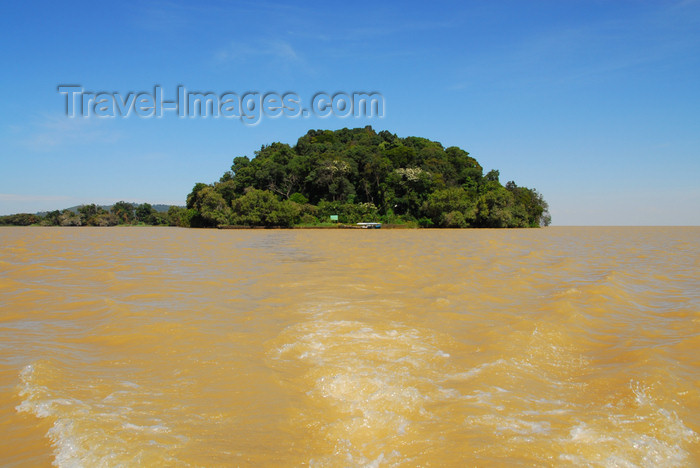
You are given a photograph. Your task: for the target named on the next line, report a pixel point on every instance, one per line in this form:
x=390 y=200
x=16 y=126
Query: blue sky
x=596 y=104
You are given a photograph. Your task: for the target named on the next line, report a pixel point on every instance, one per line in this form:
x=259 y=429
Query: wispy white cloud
x=22 y=203
x=54 y=131
x=169 y=16
x=21 y=198
x=163 y=16
x=588 y=52
x=365 y=32
x=276 y=49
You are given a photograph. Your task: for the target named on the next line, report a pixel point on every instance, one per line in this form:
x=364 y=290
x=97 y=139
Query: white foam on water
x=537 y=398
x=509 y=424
x=378 y=378
x=155 y=429
x=97 y=432
x=650 y=437
x=473 y=372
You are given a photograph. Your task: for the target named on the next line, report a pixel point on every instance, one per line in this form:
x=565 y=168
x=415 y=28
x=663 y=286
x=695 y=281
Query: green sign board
x=334 y=217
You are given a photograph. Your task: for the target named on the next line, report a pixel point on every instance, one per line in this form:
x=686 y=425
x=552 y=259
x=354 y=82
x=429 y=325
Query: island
x=352 y=176
x=348 y=177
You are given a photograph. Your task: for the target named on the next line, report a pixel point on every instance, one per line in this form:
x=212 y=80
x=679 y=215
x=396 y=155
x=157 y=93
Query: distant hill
x=159 y=208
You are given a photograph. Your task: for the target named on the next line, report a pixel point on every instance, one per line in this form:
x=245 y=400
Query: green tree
x=88 y=213
x=495 y=209
x=104 y=219
x=144 y=213
x=452 y=207
x=123 y=211
x=51 y=218
x=69 y=218
x=403 y=179
x=19 y=219
x=262 y=208
x=210 y=206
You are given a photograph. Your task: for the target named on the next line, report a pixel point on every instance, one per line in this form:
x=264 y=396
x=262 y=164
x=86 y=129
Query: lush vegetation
x=361 y=175
x=121 y=213
x=355 y=175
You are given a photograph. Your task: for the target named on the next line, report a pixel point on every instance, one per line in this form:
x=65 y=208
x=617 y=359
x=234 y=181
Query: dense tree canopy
x=119 y=214
x=352 y=175
x=361 y=175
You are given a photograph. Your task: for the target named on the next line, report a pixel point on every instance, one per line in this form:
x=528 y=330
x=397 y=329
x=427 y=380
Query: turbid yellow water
x=176 y=347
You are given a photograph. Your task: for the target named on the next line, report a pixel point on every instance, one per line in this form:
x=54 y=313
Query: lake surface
x=181 y=347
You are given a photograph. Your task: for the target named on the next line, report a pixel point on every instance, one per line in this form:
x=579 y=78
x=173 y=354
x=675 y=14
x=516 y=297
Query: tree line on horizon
x=120 y=214
x=354 y=175
x=360 y=175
